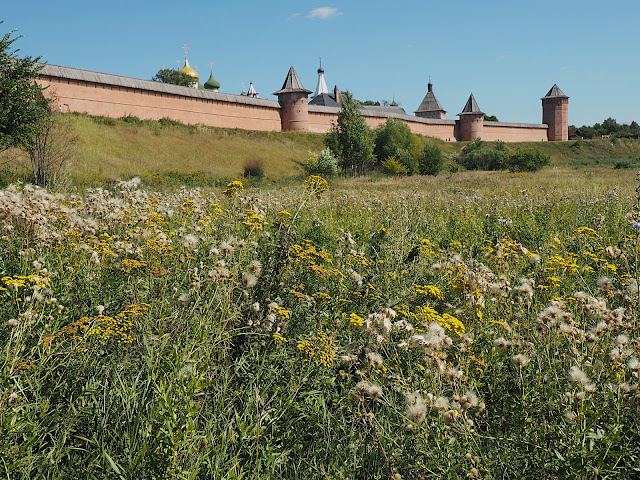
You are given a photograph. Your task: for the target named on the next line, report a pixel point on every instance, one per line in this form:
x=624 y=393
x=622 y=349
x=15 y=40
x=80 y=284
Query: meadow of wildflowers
x=480 y=326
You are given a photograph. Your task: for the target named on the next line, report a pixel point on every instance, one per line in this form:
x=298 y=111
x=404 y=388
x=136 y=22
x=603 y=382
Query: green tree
x=351 y=139
x=431 y=160
x=395 y=139
x=173 y=77
x=491 y=118
x=610 y=126
x=22 y=104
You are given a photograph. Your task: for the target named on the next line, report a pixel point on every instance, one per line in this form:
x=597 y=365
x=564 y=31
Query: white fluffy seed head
x=622 y=339
x=578 y=375
x=520 y=359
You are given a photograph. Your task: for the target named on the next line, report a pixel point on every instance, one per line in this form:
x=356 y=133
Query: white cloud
x=293 y=16
x=324 y=13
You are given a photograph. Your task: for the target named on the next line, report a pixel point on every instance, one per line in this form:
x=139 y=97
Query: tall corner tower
x=293 y=98
x=471 y=121
x=555 y=113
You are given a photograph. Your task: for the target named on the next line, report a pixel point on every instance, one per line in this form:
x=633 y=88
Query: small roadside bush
x=324 y=163
x=393 y=167
x=528 y=160
x=431 y=160
x=253 y=169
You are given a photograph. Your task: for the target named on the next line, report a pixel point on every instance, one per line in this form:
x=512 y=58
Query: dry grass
x=117 y=149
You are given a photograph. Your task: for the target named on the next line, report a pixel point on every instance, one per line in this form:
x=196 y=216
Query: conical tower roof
x=555 y=92
x=471 y=107
x=212 y=83
x=292 y=84
x=430 y=103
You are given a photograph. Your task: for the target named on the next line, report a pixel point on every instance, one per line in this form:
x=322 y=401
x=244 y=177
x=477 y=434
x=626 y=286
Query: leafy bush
x=394 y=167
x=627 y=163
x=108 y=121
x=431 y=160
x=528 y=160
x=254 y=169
x=132 y=120
x=394 y=139
x=578 y=144
x=168 y=122
x=324 y=163
x=478 y=156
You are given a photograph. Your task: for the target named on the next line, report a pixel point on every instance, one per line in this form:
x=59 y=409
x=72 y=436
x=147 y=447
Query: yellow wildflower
x=316 y=185
x=234 y=188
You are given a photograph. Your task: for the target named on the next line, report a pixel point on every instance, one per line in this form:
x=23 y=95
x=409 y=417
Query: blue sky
x=508 y=53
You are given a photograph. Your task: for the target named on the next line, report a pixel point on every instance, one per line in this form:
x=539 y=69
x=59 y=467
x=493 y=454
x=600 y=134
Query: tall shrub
x=528 y=160
x=477 y=155
x=394 y=139
x=431 y=160
x=323 y=164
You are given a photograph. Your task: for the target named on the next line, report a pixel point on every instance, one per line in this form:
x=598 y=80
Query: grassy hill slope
x=122 y=148
x=174 y=153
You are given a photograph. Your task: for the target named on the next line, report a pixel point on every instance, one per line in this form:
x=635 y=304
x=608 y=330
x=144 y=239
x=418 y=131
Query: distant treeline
x=608 y=127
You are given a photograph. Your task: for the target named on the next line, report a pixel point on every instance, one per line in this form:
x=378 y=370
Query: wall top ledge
x=69 y=73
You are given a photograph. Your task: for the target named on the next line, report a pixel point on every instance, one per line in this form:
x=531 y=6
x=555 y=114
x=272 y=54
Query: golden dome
x=187 y=70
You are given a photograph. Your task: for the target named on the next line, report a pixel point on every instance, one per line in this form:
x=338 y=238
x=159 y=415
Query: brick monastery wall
x=321 y=118
x=115 y=101
x=514 y=132
x=113 y=96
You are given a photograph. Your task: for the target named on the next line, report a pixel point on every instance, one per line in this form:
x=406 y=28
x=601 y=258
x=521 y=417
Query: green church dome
x=212 y=83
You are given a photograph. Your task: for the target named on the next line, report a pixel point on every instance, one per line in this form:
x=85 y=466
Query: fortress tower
x=430 y=106
x=555 y=113
x=471 y=121
x=295 y=108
